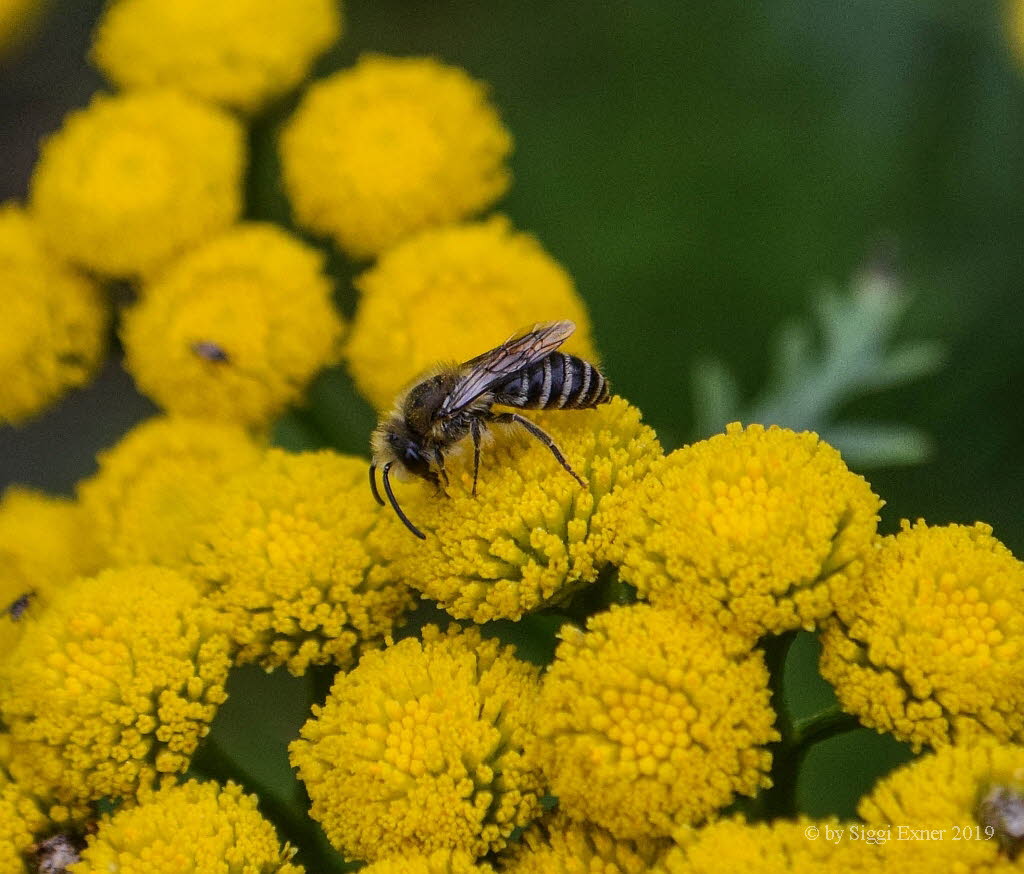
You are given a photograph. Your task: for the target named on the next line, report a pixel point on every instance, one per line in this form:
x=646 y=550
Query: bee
x=454 y=402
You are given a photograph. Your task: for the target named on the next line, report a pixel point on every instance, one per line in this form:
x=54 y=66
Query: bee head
x=409 y=455
x=393 y=442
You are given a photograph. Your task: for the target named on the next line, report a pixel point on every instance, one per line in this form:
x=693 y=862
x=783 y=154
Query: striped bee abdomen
x=556 y=382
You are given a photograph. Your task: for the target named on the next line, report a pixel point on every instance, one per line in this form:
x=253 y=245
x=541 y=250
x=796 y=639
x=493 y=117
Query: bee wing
x=519 y=351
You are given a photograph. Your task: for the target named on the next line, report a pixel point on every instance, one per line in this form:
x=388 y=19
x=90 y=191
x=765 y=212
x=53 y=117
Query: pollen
x=420 y=748
x=302 y=563
x=135 y=179
x=932 y=648
x=634 y=738
x=390 y=147
x=528 y=538
x=760 y=529
x=240 y=53
x=450 y=294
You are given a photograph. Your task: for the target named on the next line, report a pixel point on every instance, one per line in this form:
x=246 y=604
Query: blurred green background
x=700 y=169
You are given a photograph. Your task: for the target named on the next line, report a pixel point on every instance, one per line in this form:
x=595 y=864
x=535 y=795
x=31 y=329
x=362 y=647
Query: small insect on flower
x=455 y=401
x=16 y=609
x=210 y=351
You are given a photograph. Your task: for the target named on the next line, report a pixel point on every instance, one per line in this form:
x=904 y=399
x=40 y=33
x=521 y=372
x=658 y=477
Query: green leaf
x=835 y=773
x=534 y=637
x=875 y=445
x=808 y=384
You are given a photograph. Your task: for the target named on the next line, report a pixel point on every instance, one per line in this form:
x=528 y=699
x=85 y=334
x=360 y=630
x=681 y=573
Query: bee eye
x=411 y=455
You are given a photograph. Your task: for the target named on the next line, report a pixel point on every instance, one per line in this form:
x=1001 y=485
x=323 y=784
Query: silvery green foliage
x=809 y=383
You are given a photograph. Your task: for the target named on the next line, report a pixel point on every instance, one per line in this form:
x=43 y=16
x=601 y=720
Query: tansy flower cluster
x=301 y=564
x=933 y=648
x=760 y=530
x=54 y=332
x=225 y=833
x=235 y=329
x=113 y=686
x=572 y=672
x=632 y=736
x=22 y=814
x=528 y=538
x=421 y=748
x=390 y=147
x=451 y=293
x=112 y=192
x=241 y=53
x=154 y=490
x=45 y=542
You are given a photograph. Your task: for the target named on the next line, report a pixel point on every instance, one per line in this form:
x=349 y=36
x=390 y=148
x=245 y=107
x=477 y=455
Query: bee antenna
x=373 y=485
x=394 y=503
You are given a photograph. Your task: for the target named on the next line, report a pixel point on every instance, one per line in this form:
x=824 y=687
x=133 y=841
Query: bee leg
x=542 y=436
x=439 y=459
x=474 y=427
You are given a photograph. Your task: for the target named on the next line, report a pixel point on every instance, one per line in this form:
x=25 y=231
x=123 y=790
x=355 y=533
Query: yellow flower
x=557 y=845
x=137 y=178
x=932 y=650
x=781 y=847
x=236 y=328
x=54 y=324
x=23 y=820
x=390 y=147
x=27 y=821
x=201 y=828
x=450 y=294
x=975 y=793
x=420 y=748
x=156 y=488
x=302 y=563
x=634 y=736
x=241 y=53
x=44 y=544
x=762 y=530
x=114 y=686
x=439 y=862
x=527 y=538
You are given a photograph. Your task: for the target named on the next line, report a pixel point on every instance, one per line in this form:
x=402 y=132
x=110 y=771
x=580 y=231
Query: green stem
x=780 y=798
x=821 y=726
x=797 y=735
